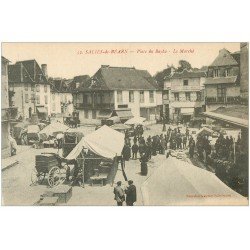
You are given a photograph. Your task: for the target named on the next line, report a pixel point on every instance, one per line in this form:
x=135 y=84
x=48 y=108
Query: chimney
x=44 y=69
x=105 y=66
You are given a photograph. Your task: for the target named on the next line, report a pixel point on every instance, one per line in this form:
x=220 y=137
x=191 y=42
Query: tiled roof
x=122 y=78
x=26 y=72
x=81 y=81
x=189 y=74
x=225 y=58
x=59 y=85
x=220 y=80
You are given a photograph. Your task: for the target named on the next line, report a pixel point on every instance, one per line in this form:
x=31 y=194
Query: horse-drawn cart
x=50 y=166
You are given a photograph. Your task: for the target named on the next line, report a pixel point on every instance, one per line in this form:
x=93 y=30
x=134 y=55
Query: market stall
x=177 y=182
x=100 y=149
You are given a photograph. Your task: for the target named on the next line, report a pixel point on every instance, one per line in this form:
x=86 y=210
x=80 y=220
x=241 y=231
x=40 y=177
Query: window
x=198 y=96
x=38 y=99
x=4 y=69
x=26 y=86
x=166 y=95
x=177 y=111
x=227 y=72
x=216 y=73
x=176 y=96
x=85 y=99
x=131 y=96
x=185 y=82
x=187 y=94
x=37 y=88
x=221 y=93
x=53 y=97
x=86 y=114
x=141 y=96
x=45 y=88
x=32 y=87
x=93 y=114
x=32 y=98
x=119 y=96
x=151 y=96
x=26 y=98
x=46 y=99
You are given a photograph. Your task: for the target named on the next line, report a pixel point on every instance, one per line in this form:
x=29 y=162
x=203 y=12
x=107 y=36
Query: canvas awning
x=33 y=129
x=123 y=114
x=105 y=142
x=115 y=119
x=104 y=114
x=54 y=128
x=135 y=120
x=177 y=182
x=42 y=110
x=120 y=126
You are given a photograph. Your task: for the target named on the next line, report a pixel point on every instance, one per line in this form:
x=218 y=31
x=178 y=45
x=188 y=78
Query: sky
x=67 y=60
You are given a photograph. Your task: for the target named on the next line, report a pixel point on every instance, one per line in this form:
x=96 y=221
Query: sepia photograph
x=124 y=124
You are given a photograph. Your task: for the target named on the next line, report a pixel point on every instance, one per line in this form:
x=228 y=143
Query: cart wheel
x=36 y=178
x=54 y=176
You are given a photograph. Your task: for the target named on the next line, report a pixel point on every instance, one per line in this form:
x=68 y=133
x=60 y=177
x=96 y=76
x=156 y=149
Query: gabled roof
x=5 y=60
x=59 y=85
x=122 y=78
x=80 y=83
x=188 y=74
x=225 y=58
x=26 y=72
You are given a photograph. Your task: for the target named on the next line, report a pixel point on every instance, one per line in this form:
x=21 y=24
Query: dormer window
x=227 y=72
x=216 y=72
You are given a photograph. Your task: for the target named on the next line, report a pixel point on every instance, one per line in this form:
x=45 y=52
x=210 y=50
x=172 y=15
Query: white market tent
x=54 y=128
x=135 y=120
x=105 y=142
x=177 y=182
x=205 y=131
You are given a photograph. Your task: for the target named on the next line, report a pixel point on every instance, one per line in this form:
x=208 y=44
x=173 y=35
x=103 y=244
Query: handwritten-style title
x=136 y=51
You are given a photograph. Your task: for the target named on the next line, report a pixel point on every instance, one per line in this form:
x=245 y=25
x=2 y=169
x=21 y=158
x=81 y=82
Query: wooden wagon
x=50 y=166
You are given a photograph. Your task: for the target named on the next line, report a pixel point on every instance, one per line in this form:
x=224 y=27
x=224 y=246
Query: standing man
x=119 y=194
x=135 y=149
x=130 y=194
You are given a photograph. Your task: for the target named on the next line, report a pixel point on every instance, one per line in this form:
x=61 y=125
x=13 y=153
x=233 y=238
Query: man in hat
x=119 y=194
x=130 y=194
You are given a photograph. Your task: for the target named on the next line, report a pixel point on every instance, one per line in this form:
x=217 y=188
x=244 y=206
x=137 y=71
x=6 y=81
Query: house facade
x=125 y=92
x=6 y=111
x=244 y=76
x=222 y=85
x=183 y=95
x=29 y=83
x=61 y=97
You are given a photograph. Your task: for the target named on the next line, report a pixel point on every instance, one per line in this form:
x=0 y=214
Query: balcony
x=9 y=114
x=95 y=106
x=223 y=100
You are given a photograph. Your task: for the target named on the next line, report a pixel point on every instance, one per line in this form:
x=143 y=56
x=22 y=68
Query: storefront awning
x=104 y=114
x=41 y=110
x=187 y=111
x=123 y=114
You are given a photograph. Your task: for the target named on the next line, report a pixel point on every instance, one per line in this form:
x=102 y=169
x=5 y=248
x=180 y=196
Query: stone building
x=29 y=83
x=183 y=95
x=222 y=85
x=244 y=66
x=121 y=91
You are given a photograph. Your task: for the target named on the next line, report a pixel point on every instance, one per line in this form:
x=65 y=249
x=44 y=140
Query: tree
x=160 y=76
x=184 y=65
